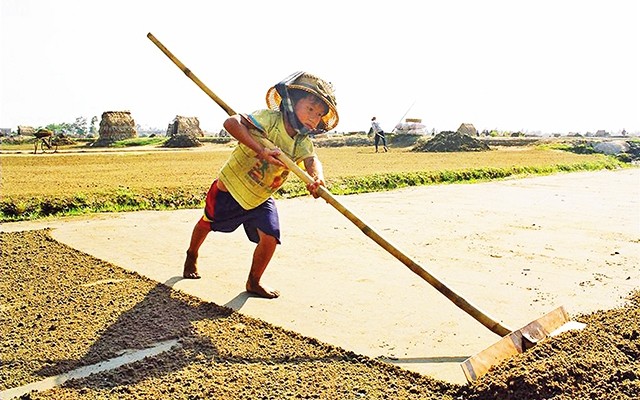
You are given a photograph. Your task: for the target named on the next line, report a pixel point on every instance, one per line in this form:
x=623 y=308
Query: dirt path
x=516 y=248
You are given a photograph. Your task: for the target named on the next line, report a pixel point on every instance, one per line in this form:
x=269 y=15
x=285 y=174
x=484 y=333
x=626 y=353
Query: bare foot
x=262 y=291
x=191 y=268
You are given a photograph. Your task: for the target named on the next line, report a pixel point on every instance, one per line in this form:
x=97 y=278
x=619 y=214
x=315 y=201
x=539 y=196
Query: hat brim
x=330 y=120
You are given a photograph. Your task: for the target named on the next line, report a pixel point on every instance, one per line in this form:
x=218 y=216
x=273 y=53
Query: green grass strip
x=124 y=199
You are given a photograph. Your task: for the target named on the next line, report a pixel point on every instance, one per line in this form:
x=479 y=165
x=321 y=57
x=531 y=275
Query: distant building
x=5 y=131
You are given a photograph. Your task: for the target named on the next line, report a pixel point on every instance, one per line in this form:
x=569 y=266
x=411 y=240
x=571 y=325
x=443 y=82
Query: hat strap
x=286 y=105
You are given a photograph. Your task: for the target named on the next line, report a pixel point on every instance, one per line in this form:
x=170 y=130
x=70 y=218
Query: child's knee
x=204 y=224
x=269 y=239
x=266 y=238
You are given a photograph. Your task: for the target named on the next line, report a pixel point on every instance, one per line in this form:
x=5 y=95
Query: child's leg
x=199 y=234
x=261 y=257
x=377 y=139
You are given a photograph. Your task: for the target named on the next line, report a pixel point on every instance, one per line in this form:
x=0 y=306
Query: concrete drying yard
x=515 y=248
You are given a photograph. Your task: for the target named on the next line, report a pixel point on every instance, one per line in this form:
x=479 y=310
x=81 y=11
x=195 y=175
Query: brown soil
x=62 y=309
x=451 y=141
x=183 y=141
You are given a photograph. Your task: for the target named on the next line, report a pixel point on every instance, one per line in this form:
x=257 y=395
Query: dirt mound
x=182 y=141
x=634 y=150
x=363 y=140
x=448 y=141
x=63 y=140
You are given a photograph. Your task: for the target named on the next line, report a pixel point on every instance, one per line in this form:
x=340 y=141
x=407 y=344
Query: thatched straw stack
x=468 y=129
x=185 y=126
x=114 y=126
x=184 y=132
x=26 y=130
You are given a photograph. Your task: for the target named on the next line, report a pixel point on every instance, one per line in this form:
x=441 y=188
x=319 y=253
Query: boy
x=300 y=105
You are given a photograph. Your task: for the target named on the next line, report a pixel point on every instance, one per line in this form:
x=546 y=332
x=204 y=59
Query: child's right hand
x=313 y=187
x=271 y=156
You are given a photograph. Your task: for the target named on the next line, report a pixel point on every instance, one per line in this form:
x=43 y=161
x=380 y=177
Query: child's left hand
x=313 y=187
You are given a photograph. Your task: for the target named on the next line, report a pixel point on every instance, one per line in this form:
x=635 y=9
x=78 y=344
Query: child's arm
x=314 y=168
x=236 y=128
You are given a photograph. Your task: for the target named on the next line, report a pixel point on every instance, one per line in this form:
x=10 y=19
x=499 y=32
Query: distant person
x=300 y=105
x=378 y=134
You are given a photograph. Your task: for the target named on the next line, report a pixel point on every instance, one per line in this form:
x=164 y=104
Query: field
x=63 y=309
x=70 y=174
x=37 y=185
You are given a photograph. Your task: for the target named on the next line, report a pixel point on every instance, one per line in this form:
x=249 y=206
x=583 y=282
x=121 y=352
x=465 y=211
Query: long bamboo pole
x=480 y=316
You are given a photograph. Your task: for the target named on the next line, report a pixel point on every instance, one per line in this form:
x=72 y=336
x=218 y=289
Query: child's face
x=310 y=111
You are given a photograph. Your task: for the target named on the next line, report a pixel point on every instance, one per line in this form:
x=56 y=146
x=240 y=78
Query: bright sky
x=545 y=65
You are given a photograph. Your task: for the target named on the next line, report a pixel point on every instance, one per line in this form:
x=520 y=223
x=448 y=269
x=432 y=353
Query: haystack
x=26 y=130
x=468 y=129
x=114 y=126
x=449 y=142
x=185 y=126
x=184 y=132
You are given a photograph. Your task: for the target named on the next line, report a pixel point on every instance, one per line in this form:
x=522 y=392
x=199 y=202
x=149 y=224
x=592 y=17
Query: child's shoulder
x=265 y=119
x=266 y=114
x=266 y=111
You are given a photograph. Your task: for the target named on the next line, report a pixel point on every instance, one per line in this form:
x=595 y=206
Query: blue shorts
x=224 y=214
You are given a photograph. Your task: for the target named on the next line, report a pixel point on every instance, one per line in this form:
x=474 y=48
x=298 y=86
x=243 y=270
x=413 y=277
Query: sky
x=547 y=66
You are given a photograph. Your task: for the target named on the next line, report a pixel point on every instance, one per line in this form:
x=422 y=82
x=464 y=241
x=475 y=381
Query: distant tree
x=63 y=127
x=93 y=129
x=53 y=127
x=80 y=126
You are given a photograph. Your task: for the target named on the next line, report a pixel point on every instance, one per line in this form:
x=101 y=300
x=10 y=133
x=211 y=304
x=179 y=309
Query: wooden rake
x=512 y=342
